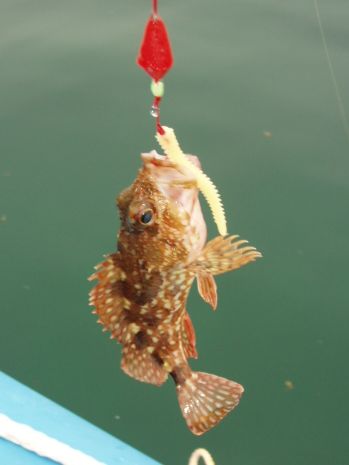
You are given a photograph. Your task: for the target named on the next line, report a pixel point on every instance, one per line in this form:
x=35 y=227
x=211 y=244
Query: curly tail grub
x=170 y=146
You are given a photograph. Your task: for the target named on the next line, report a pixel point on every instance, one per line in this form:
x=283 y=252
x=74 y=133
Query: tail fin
x=206 y=399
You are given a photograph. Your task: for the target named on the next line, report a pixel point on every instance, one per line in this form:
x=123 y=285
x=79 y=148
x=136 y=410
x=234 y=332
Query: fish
x=142 y=288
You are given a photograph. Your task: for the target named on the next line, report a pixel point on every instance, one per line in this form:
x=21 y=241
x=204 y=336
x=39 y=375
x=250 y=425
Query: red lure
x=155 y=54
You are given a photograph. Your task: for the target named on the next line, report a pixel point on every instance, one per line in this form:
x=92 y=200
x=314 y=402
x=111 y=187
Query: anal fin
x=188 y=337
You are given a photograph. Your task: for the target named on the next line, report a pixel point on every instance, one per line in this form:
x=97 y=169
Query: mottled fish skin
x=142 y=289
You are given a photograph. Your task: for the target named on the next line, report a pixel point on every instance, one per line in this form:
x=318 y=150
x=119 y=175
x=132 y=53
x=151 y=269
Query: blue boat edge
x=24 y=405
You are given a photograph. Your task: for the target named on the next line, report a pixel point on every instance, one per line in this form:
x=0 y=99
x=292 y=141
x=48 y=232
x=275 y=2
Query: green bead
x=157 y=88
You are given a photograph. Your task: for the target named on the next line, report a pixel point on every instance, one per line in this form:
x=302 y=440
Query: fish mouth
x=155 y=159
x=179 y=185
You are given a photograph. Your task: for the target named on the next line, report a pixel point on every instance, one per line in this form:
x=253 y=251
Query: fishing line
x=155 y=7
x=156 y=59
x=339 y=99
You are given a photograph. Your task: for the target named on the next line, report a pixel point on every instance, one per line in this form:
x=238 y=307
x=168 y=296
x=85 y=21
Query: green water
x=74 y=118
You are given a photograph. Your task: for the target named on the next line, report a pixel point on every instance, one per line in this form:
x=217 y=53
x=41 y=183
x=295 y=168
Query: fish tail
x=206 y=399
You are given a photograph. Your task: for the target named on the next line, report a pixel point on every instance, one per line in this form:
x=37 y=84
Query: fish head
x=161 y=219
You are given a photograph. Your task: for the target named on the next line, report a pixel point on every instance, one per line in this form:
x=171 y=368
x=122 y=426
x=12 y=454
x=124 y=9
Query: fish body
x=142 y=288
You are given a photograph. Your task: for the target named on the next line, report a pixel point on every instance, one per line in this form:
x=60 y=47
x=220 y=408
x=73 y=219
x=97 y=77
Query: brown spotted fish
x=142 y=288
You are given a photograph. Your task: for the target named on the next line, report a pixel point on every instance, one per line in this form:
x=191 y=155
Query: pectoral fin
x=224 y=254
x=207 y=288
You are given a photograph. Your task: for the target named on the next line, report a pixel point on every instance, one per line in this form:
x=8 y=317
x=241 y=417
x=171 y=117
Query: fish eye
x=146 y=217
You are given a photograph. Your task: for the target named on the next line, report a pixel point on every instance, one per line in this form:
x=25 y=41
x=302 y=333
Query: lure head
x=161 y=218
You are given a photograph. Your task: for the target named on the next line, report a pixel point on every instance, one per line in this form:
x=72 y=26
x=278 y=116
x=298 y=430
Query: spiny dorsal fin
x=107 y=296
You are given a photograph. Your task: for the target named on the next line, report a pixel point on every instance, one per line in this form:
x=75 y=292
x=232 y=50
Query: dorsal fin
x=141 y=365
x=107 y=296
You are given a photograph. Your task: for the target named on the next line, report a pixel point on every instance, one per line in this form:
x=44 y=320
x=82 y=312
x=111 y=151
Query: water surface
x=251 y=94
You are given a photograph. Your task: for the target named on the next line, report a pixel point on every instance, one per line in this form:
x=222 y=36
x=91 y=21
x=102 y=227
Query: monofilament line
x=339 y=99
x=155 y=7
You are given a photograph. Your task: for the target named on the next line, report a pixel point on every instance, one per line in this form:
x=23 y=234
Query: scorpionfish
x=142 y=289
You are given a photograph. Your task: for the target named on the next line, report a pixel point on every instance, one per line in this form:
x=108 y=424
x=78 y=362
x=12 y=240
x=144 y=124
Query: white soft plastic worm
x=170 y=146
